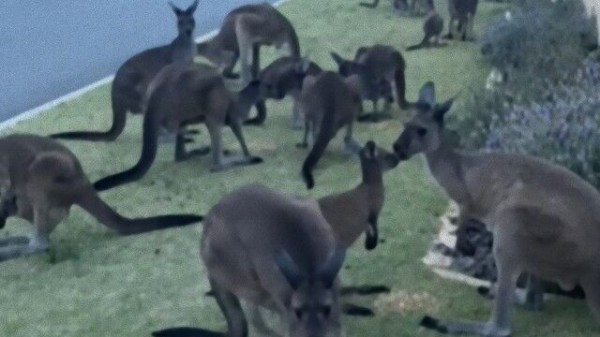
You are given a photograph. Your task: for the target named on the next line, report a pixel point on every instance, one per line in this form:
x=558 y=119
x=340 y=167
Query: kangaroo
x=432 y=29
x=184 y=94
x=356 y=211
x=462 y=15
x=544 y=218
x=377 y=67
x=328 y=103
x=243 y=31
x=285 y=76
x=40 y=180
x=273 y=251
x=133 y=77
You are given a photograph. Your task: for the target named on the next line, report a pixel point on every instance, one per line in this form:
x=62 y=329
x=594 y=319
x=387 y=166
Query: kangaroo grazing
x=544 y=218
x=273 y=251
x=133 y=77
x=40 y=180
x=462 y=16
x=377 y=67
x=432 y=29
x=285 y=76
x=243 y=31
x=184 y=94
x=328 y=103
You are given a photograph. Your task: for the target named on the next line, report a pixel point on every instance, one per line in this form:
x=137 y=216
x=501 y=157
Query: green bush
x=548 y=103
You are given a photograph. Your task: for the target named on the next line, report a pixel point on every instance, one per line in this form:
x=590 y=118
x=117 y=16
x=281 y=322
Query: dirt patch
x=402 y=302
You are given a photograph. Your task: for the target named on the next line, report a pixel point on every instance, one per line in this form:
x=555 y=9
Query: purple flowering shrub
x=563 y=127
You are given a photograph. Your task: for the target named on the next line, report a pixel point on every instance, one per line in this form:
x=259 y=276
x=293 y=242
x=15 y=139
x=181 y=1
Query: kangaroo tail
x=91 y=202
x=326 y=132
x=187 y=332
x=149 y=148
x=400 y=79
x=117 y=127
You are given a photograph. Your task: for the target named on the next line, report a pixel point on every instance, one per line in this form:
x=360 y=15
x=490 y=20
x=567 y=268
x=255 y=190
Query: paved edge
x=80 y=92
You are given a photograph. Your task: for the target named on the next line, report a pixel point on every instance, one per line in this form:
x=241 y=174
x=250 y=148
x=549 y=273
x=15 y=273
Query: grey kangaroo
x=328 y=102
x=273 y=251
x=243 y=31
x=462 y=16
x=355 y=211
x=377 y=67
x=133 y=77
x=184 y=94
x=285 y=76
x=544 y=218
x=433 y=26
x=40 y=180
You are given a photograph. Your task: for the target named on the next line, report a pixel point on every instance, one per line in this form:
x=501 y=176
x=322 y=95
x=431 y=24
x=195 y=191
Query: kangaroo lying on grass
x=40 y=180
x=544 y=218
x=133 y=77
x=243 y=31
x=377 y=67
x=328 y=102
x=273 y=251
x=285 y=76
x=184 y=94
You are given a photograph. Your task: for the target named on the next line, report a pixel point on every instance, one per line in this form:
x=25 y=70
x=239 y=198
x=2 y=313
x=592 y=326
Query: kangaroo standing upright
x=355 y=211
x=40 y=180
x=273 y=251
x=377 y=67
x=184 y=94
x=243 y=31
x=328 y=102
x=133 y=77
x=545 y=219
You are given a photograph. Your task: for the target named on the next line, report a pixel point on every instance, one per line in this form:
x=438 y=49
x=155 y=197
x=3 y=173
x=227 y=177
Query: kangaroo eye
x=421 y=132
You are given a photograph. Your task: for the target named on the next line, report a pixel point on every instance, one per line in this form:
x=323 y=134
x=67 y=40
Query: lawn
x=94 y=283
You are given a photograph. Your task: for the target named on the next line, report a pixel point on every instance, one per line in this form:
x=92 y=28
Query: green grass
x=94 y=283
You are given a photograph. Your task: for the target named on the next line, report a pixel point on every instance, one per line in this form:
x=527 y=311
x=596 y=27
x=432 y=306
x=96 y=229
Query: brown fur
x=133 y=77
x=328 y=102
x=41 y=180
x=184 y=94
x=543 y=216
x=276 y=252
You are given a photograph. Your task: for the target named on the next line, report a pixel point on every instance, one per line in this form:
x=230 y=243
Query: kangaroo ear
x=337 y=58
x=330 y=270
x=441 y=109
x=176 y=9
x=289 y=269
x=360 y=55
x=192 y=8
x=427 y=94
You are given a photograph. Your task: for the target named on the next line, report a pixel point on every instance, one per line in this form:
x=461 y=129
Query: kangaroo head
x=372 y=87
x=185 y=18
x=313 y=310
x=280 y=78
x=375 y=159
x=423 y=133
